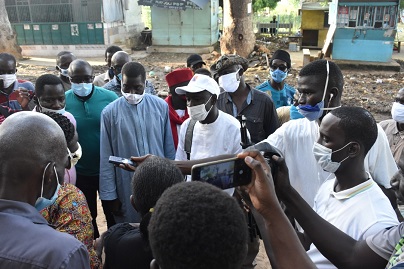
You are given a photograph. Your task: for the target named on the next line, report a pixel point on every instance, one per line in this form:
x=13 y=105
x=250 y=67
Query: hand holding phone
x=119 y=160
x=224 y=174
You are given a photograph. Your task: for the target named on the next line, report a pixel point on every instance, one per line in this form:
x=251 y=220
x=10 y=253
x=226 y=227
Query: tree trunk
x=238 y=36
x=8 y=39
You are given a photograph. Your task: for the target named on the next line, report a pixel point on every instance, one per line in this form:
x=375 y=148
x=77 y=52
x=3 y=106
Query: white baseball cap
x=200 y=83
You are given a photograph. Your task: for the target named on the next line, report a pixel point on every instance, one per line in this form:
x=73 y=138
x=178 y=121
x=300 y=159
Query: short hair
x=203 y=71
x=79 y=64
x=319 y=68
x=358 y=125
x=63 y=52
x=152 y=178
x=196 y=225
x=43 y=80
x=134 y=69
x=64 y=123
x=112 y=50
x=7 y=57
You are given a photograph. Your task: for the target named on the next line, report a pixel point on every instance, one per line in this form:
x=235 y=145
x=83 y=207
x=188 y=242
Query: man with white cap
x=214 y=132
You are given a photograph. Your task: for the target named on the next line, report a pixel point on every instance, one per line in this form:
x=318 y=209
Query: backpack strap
x=188 y=138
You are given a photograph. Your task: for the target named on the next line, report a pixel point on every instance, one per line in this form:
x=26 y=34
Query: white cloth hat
x=200 y=83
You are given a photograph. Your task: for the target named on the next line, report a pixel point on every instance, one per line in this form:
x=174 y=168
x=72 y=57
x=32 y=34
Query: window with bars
x=32 y=11
x=383 y=17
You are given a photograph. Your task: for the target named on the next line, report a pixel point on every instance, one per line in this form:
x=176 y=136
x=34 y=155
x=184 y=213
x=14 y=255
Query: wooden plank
x=326 y=50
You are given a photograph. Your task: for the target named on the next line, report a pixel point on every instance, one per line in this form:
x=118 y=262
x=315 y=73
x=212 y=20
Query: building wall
x=123 y=21
x=314 y=20
x=188 y=27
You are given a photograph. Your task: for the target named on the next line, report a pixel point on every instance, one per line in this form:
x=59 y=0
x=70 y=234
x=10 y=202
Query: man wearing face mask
x=14 y=93
x=104 y=78
x=351 y=201
x=394 y=127
x=177 y=104
x=136 y=124
x=63 y=60
x=86 y=101
x=117 y=61
x=281 y=92
x=27 y=240
x=215 y=132
x=320 y=85
x=240 y=98
x=50 y=98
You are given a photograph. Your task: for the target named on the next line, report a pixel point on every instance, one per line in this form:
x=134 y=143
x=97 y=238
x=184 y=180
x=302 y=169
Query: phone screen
x=223 y=174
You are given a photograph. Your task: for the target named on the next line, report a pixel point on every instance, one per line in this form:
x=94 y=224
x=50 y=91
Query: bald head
x=120 y=58
x=31 y=135
x=32 y=149
x=80 y=67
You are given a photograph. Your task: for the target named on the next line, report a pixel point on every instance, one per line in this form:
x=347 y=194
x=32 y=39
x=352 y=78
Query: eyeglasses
x=280 y=67
x=82 y=79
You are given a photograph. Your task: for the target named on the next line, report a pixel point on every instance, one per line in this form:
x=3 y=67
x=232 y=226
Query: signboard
x=74 y=29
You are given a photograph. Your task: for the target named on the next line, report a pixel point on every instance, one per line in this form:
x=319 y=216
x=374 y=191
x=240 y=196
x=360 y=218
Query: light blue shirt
x=131 y=130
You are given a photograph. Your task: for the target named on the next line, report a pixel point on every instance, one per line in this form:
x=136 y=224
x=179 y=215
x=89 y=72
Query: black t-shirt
x=125 y=247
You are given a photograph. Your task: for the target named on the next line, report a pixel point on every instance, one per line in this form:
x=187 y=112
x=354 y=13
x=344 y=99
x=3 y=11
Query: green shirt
x=88 y=116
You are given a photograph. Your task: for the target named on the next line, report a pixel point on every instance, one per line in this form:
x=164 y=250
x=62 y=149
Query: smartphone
x=120 y=160
x=224 y=174
x=1 y=84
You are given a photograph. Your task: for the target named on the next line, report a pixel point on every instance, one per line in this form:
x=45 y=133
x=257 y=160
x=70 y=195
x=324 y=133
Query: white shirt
x=219 y=137
x=360 y=211
x=180 y=113
x=295 y=139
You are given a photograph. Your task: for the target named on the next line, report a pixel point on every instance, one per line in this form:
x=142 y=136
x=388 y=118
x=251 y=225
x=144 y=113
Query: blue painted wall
x=375 y=45
x=188 y=27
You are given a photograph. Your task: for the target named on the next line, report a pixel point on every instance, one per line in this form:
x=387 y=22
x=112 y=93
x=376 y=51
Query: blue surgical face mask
x=43 y=202
x=63 y=72
x=278 y=75
x=119 y=77
x=82 y=89
x=315 y=112
x=294 y=113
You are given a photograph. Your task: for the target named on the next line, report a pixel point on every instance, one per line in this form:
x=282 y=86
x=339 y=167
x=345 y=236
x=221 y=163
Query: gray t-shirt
x=389 y=244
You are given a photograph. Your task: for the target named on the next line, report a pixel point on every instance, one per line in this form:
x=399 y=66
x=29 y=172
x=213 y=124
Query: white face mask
x=60 y=111
x=75 y=156
x=63 y=72
x=323 y=156
x=199 y=112
x=230 y=82
x=132 y=98
x=8 y=79
x=397 y=112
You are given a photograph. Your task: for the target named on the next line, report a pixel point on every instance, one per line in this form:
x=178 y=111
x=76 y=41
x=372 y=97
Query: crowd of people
x=328 y=199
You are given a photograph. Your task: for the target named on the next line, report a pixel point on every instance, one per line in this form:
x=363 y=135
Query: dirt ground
x=373 y=90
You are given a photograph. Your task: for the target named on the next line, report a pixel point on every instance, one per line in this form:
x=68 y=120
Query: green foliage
x=401 y=4
x=260 y=4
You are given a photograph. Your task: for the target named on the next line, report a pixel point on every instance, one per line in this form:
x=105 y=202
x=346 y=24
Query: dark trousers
x=89 y=185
